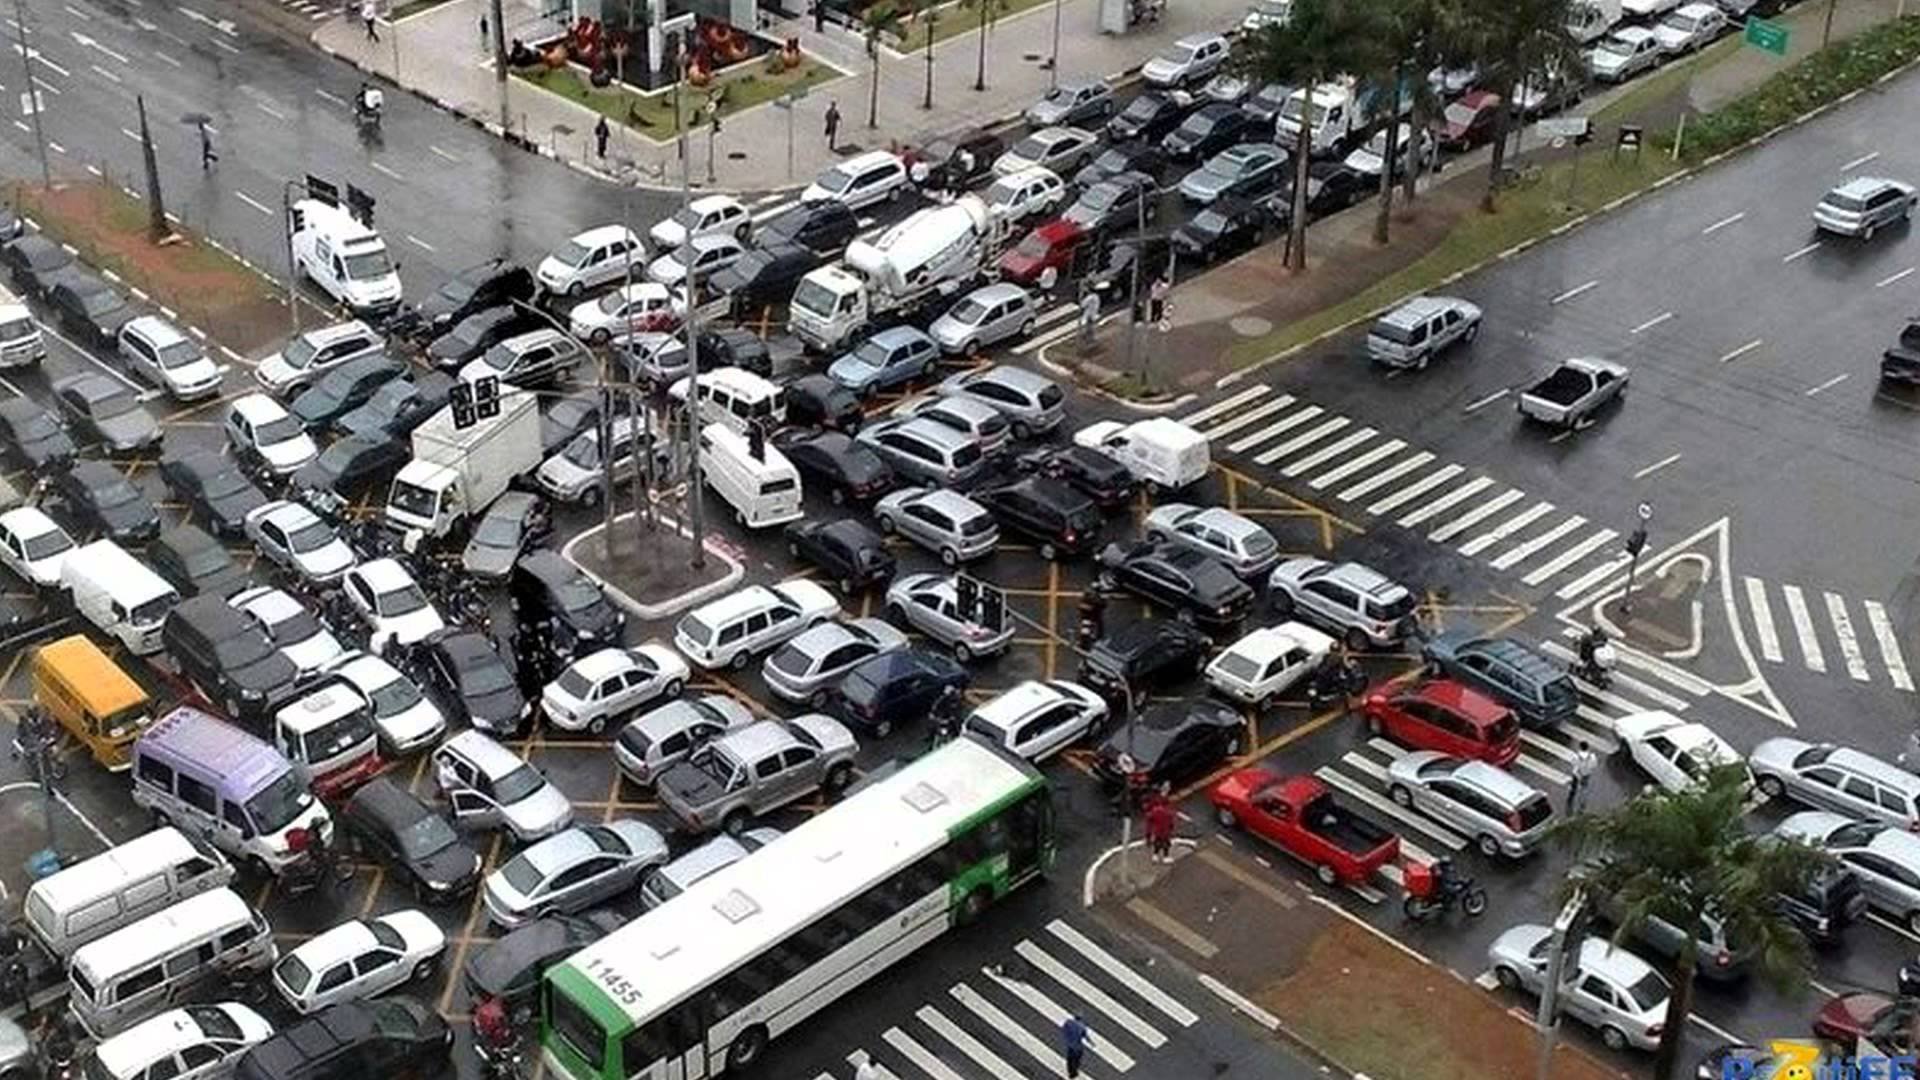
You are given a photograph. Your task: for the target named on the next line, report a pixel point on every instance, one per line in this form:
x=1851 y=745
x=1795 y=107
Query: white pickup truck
x=1574 y=392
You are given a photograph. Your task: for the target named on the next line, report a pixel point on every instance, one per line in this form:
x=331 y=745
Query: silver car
x=986 y=316
x=930 y=603
x=572 y=871
x=294 y=538
x=1606 y=987
x=1414 y=333
x=702 y=862
x=1503 y=814
x=1248 y=168
x=488 y=784
x=805 y=667
x=1033 y=404
x=1242 y=544
x=944 y=522
x=1835 y=778
x=1864 y=205
x=926 y=451
x=1886 y=858
x=658 y=738
x=965 y=415
x=1074 y=101
x=1362 y=605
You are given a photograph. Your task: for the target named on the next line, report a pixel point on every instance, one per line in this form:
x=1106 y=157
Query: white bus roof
x=733 y=914
x=130 y=947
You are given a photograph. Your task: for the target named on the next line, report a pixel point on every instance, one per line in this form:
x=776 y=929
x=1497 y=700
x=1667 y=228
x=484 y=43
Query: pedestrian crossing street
x=1823 y=632
x=1004 y=1023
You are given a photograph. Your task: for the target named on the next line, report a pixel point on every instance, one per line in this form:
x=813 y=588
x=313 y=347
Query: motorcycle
x=1145 y=12
x=366 y=110
x=1336 y=681
x=499 y=1062
x=1595 y=658
x=1434 y=889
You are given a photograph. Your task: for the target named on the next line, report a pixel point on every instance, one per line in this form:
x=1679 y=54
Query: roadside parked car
x=1837 y=778
x=1469 y=121
x=102 y=408
x=37 y=263
x=571 y=871
x=88 y=307
x=1539 y=691
x=1607 y=987
x=34 y=435
x=1690 y=27
x=166 y=357
x=756 y=770
x=1886 y=858
x=845 y=551
x=1626 y=51
x=390 y=822
x=1072 y=101
x=1862 y=1016
x=360 y=958
x=1187 y=62
x=930 y=603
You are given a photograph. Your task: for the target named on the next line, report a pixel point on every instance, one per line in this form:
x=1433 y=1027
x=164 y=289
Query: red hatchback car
x=1440 y=714
x=1890 y=1024
x=1044 y=255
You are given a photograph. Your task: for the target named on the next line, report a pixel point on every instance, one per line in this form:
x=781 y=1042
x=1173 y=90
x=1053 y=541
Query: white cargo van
x=120 y=886
x=1163 y=454
x=346 y=259
x=139 y=970
x=118 y=593
x=763 y=491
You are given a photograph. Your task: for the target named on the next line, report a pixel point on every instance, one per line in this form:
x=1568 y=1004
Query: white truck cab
x=346 y=259
x=933 y=252
x=1336 y=117
x=20 y=342
x=456 y=472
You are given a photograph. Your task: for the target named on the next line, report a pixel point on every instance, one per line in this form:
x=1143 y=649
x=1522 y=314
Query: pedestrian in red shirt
x=1160 y=820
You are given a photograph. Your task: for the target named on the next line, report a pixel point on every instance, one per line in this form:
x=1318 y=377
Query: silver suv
x=1034 y=404
x=1362 y=605
x=655 y=740
x=1415 y=332
x=1864 y=205
x=1502 y=813
x=944 y=522
x=926 y=451
x=758 y=769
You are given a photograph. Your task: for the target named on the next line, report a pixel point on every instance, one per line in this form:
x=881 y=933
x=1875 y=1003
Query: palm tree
x=1511 y=39
x=878 y=20
x=989 y=12
x=1681 y=857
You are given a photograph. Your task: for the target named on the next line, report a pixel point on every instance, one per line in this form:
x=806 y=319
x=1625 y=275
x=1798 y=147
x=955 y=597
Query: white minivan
x=119 y=594
x=346 y=259
x=762 y=490
x=119 y=886
x=141 y=969
x=735 y=397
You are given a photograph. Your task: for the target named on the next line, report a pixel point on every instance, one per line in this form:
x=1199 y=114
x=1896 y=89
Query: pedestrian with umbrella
x=200 y=122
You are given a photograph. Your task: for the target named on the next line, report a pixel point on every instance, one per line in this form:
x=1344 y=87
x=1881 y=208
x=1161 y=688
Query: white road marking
x=269 y=110
x=330 y=97
x=1507 y=528
x=1656 y=466
x=1830 y=383
x=1486 y=980
x=166 y=59
x=1225 y=405
x=967 y=1044
x=1722 y=223
x=1653 y=322
x=1330 y=451
x=56 y=147
x=1000 y=1022
x=1586 y=581
x=862 y=1057
x=1416 y=489
x=1527 y=550
x=253 y=202
x=923 y=1059
x=1803 y=628
x=1889 y=644
x=419 y=243
x=1048 y=318
x=1476 y=406
x=1714 y=1029
x=1382 y=479
x=104 y=73
x=1568 y=557
x=1542 y=743
x=1543 y=770
x=1849 y=643
x=131 y=134
x=1890 y=279
x=1573 y=292
x=1278 y=427
x=1476 y=515
x=1353 y=465
x=1893 y=926
x=441 y=154
x=1251 y=416
x=384 y=171
x=1056 y=1014
x=1105 y=1003
x=40 y=58
x=81 y=15
x=775 y=211
x=1742 y=350
x=1763 y=620
x=1318 y=431
x=1859 y=161
x=1444 y=502
x=1124 y=973
x=224 y=47
x=1808 y=250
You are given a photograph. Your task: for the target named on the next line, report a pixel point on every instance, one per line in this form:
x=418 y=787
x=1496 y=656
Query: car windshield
x=101 y=302
x=835 y=180
x=1032 y=148
x=112 y=405
x=1648 y=991
x=518 y=784
x=968 y=311
x=584 y=450
x=571 y=253
x=1102 y=196
x=296 y=627
x=39 y=425
x=522 y=875
x=694 y=630
x=484 y=675
x=1560 y=695
x=790 y=660
x=294 y=972
x=428 y=836
x=299 y=353
x=151 y=612
x=576 y=594
x=1615 y=47
x=611 y=303
x=1143 y=108
x=871 y=354
x=404 y=600
x=116 y=494
x=1398 y=608
x=1209 y=220
x=333 y=739
x=53 y=543
x=473 y=331
x=310 y=537
x=815 y=297
x=369 y=264
x=1681 y=22
x=394 y=698
x=278 y=430
x=687 y=218
x=275 y=806
x=1238 y=666
x=1854 y=834
x=179 y=354
x=1176 y=54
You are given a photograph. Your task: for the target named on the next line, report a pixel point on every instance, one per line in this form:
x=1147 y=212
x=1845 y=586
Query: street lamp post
x=1053 y=58
x=695 y=512
x=933 y=19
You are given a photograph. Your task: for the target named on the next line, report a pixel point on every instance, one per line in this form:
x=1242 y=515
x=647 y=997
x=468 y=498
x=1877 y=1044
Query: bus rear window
x=582 y=1034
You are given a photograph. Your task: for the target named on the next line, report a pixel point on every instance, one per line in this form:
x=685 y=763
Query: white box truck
x=455 y=473
x=930 y=254
x=1162 y=453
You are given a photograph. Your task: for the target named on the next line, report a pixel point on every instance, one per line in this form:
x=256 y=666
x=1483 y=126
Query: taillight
x=1066 y=536
x=1723 y=958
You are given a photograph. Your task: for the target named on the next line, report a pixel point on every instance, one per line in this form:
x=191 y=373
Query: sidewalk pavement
x=439 y=55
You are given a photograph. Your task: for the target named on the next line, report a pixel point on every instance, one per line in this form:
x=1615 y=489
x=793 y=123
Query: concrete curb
x=673 y=605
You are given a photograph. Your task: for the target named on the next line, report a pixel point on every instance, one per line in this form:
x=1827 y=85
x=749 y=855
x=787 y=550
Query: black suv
x=1100 y=477
x=463 y=672
x=845 y=550
x=826 y=227
x=227 y=656
x=405 y=832
x=1197 y=587
x=1831 y=901
x=546 y=586
x=891 y=689
x=213 y=486
x=495 y=282
x=1054 y=515
x=1144 y=656
x=101 y=499
x=393 y=1038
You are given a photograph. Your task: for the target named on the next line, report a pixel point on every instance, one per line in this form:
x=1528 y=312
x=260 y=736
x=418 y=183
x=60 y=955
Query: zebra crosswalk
x=1004 y=1022
x=1824 y=632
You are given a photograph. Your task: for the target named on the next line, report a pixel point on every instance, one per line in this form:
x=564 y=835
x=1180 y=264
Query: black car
x=391 y=822
x=825 y=227
x=1901 y=362
x=392 y=1038
x=227 y=656
x=102 y=499
x=195 y=563
x=1331 y=188
x=510 y=968
x=957 y=162
x=565 y=418
x=34 y=435
x=90 y=308
x=496 y=282
x=844 y=550
x=464 y=672
x=396 y=408
x=1151 y=654
x=353 y=465
x=1098 y=476
x=1831 y=900
x=213 y=486
x=1138 y=156
x=1059 y=519
x=36 y=263
x=1150 y=116
x=344 y=389
x=106 y=409
x=894 y=689
x=547 y=588
x=1169 y=743
x=850 y=470
x=819 y=401
x=1222 y=228
x=12 y=226
x=475 y=334
x=1210 y=130
x=735 y=347
x=1116 y=204
x=1196 y=587
x=766 y=274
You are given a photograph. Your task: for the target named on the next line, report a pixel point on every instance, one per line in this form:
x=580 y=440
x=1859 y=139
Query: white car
x=1608 y=987
x=392 y=605
x=1036 y=720
x=708 y=214
x=1624 y=53
x=610 y=683
x=860 y=181
x=704 y=256
x=728 y=631
x=1186 y=61
x=33 y=545
x=294 y=537
x=260 y=429
x=198 y=1042
x=1267 y=662
x=406 y=718
x=1692 y=27
x=589 y=260
x=1675 y=752
x=1060 y=149
x=627 y=310
x=293 y=628
x=359 y=959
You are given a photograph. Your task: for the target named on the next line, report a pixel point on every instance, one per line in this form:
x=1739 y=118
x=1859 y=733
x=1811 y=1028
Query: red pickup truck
x=1297 y=814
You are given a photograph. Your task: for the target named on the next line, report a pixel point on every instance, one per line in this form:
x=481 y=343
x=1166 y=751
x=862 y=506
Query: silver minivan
x=944 y=522
x=1503 y=814
x=926 y=451
x=1033 y=404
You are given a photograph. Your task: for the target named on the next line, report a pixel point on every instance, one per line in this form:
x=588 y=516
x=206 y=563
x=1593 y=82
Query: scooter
x=1340 y=682
x=1595 y=658
x=1434 y=889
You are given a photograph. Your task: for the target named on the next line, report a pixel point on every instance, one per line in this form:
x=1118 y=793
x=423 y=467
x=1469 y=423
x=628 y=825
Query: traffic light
x=1637 y=541
x=486 y=397
x=460 y=398
x=967 y=595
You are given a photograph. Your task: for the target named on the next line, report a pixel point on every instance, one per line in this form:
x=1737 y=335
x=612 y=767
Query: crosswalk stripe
x=1055 y=1015
x=1394 y=873
x=1442 y=503
x=1113 y=966
x=856 y=1058
x=923 y=1059
x=1653 y=693
x=1530 y=548
x=1338 y=779
x=1415 y=490
x=1850 y=652
x=1595 y=730
x=1285 y=423
x=1104 y=1003
x=1012 y=1032
x=1542 y=769
x=1354 y=465
x=1225 y=405
x=1329 y=452
x=1387 y=476
x=1889 y=644
x=1599 y=719
x=1803 y=627
x=1475 y=515
x=1251 y=416
x=1312 y=434
x=1581 y=585
x=1542 y=743
x=1507 y=528
x=1763 y=620
x=967 y=1044
x=1568 y=557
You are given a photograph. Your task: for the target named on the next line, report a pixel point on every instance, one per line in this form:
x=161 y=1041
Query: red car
x=1886 y=1022
x=1298 y=815
x=1468 y=121
x=1046 y=254
x=1440 y=714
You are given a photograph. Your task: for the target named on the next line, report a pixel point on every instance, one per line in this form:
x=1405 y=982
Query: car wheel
x=597 y=726
x=1233 y=746
x=1867 y=233
x=574 y=290
x=818 y=700
x=1488 y=845
x=672 y=689
x=591 y=498
x=882 y=729
x=739 y=661
x=949 y=557
x=839 y=777
x=848 y=586
x=741 y=517
x=1225 y=817
x=962 y=651
x=1401 y=796
x=1049 y=278
x=1613 y=1037
x=1913 y=921
x=423 y=970
x=1506 y=977
x=601 y=337
x=897 y=614
x=1048 y=551
x=974 y=905
x=746 y=1050
x=735 y=822
x=793 y=550
x=1020 y=430
x=1771 y=786
x=1356 y=639
x=1326 y=875
x=1026 y=329
x=1374 y=726
x=839 y=496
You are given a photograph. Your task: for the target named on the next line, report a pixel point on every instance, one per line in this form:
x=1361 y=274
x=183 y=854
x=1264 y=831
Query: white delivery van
x=1162 y=454
x=118 y=593
x=20 y=340
x=763 y=491
x=120 y=886
x=737 y=398
x=346 y=259
x=141 y=969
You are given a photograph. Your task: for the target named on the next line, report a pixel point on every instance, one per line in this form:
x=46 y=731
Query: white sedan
x=1689 y=28
x=392 y=605
x=1267 y=662
x=1675 y=752
x=33 y=545
x=358 y=960
x=611 y=683
x=642 y=307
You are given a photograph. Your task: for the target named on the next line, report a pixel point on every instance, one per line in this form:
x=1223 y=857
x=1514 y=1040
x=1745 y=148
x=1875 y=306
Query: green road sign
x=1770 y=36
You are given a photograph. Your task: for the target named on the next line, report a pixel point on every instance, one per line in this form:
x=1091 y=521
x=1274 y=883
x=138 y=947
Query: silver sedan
x=1246 y=548
x=986 y=316
x=804 y=668
x=572 y=871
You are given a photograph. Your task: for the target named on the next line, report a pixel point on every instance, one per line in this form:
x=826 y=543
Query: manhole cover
x=1250 y=325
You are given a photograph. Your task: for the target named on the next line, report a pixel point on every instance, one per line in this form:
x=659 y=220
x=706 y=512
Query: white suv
x=728 y=631
x=169 y=359
x=358 y=959
x=707 y=215
x=312 y=353
x=1362 y=605
x=589 y=260
x=261 y=430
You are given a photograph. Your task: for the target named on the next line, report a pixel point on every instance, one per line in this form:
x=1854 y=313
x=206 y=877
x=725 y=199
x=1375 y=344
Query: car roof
x=28 y=521
x=861 y=162
x=935 y=432
x=707 y=204
x=92 y=385
x=675 y=715
x=267 y=603
x=1511 y=652
x=486 y=754
x=995 y=293
x=1194 y=40
x=1476 y=707
x=951 y=503
x=561 y=850
x=157 y=331
x=383 y=575
x=759 y=738
x=1009 y=706
x=321 y=335
x=1862 y=186
x=1267 y=642
x=1417 y=310
x=601 y=663
x=1058 y=229
x=964 y=408
x=1872 y=767
x=1494 y=781
x=1631 y=34
x=1007 y=375
x=287 y=514
x=601 y=234
x=736 y=604
x=1599 y=956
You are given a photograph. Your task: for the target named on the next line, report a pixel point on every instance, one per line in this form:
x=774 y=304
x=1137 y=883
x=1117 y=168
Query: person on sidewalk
x=601 y=133
x=819 y=16
x=1074 y=1038
x=1161 y=818
x=367 y=14
x=833 y=124
x=207 y=156
x=486 y=39
x=1584 y=764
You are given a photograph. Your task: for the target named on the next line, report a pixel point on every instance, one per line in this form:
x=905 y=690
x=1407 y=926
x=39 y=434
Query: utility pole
x=606 y=373
x=156 y=208
x=34 y=741
x=293 y=269
x=1133 y=304
x=695 y=496
x=1568 y=927
x=933 y=19
x=1053 y=58
x=33 y=92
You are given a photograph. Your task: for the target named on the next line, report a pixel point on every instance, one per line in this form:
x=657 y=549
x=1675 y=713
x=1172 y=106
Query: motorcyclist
x=367 y=102
x=1336 y=677
x=1093 y=612
x=946 y=716
x=1591 y=649
x=493 y=1033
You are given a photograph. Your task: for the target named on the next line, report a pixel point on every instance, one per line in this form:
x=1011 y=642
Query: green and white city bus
x=699 y=985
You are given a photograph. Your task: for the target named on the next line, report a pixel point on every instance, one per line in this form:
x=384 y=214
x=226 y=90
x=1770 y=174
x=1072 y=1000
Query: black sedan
x=194 y=562
x=474 y=335
x=1331 y=188
x=89 y=307
x=344 y=389
x=352 y=465
x=101 y=499
x=766 y=274
x=1117 y=204
x=463 y=670
x=735 y=347
x=1149 y=116
x=1151 y=654
x=107 y=410
x=398 y=407
x=36 y=263
x=34 y=435
x=1196 y=587
x=1100 y=477
x=849 y=470
x=1138 y=156
x=1209 y=131
x=1058 y=519
x=1170 y=743
x=213 y=486
x=1222 y=228
x=819 y=401
x=846 y=551
x=390 y=822
x=825 y=227
x=510 y=968
x=565 y=418
x=394 y=1036
x=957 y=162
x=494 y=282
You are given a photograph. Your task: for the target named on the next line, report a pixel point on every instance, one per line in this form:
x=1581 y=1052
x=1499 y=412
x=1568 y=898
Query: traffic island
x=649 y=573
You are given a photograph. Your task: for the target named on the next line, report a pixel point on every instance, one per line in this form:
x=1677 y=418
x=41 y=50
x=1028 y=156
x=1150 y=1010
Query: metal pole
x=156 y=206
x=789 y=140
x=1133 y=307
x=293 y=270
x=695 y=496
x=932 y=19
x=1053 y=58
x=1548 y=1019
x=33 y=92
